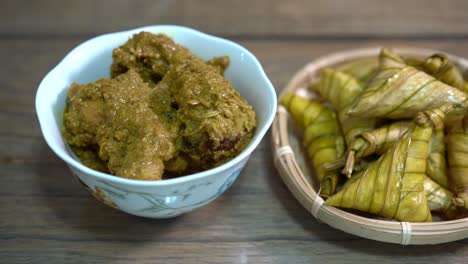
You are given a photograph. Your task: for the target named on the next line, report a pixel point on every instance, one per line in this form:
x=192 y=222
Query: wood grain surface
x=260 y=18
x=47 y=217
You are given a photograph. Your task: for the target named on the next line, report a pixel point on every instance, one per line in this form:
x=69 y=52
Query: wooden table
x=46 y=217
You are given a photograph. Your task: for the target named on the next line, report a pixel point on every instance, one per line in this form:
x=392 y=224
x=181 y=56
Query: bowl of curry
x=156 y=121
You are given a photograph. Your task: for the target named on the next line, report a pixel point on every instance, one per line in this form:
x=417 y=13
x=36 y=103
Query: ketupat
x=436 y=162
x=353 y=126
x=401 y=91
x=439 y=66
x=376 y=141
x=379 y=140
x=457 y=149
x=322 y=137
x=361 y=69
x=336 y=83
x=393 y=186
x=341 y=89
x=439 y=199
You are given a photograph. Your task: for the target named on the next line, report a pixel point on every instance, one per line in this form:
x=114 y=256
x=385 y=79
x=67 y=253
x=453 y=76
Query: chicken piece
x=220 y=63
x=151 y=55
x=148 y=54
x=84 y=113
x=216 y=122
x=132 y=138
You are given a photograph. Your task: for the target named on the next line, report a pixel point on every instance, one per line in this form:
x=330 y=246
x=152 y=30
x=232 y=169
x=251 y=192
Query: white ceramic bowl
x=157 y=199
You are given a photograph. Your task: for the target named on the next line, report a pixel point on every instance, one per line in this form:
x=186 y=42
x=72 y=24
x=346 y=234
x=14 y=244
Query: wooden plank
x=265 y=18
x=269 y=251
x=58 y=222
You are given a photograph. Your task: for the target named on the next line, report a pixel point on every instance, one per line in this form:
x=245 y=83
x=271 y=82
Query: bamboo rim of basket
x=382 y=230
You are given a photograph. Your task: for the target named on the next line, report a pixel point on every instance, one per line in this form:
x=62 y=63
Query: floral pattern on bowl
x=158 y=204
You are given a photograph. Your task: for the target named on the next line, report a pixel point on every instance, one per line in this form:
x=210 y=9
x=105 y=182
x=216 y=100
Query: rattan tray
x=290 y=162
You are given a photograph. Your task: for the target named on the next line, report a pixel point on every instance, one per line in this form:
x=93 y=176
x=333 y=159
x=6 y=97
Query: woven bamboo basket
x=299 y=178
